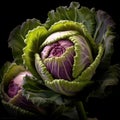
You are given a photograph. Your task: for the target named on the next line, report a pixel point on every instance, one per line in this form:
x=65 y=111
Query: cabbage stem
x=81 y=111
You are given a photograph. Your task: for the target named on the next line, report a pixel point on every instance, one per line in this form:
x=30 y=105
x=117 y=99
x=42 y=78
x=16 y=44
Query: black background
x=13 y=13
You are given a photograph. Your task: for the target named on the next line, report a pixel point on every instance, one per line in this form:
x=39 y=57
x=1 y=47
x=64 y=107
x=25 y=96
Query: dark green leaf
x=107 y=82
x=72 y=13
x=105 y=34
x=39 y=94
x=17 y=112
x=3 y=70
x=17 y=36
x=65 y=113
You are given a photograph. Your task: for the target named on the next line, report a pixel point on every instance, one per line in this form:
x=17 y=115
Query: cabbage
x=69 y=57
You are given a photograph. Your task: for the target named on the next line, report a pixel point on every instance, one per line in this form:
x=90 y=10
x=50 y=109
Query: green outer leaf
x=17 y=36
x=65 y=87
x=73 y=13
x=10 y=73
x=4 y=69
x=33 y=40
x=41 y=69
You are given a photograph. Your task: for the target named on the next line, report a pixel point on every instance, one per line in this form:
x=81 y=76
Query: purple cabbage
x=16 y=84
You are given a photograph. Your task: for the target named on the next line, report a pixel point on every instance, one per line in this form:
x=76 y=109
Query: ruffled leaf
x=72 y=13
x=83 y=55
x=57 y=36
x=68 y=88
x=65 y=25
x=33 y=40
x=105 y=34
x=41 y=68
x=17 y=37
